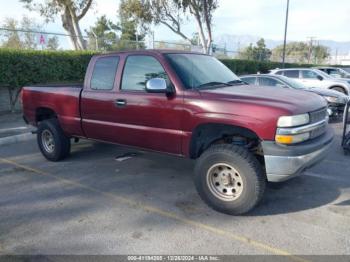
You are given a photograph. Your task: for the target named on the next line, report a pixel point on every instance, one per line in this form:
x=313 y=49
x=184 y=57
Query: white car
x=314 y=78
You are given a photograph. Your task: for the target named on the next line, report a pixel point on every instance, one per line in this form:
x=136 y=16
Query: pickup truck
x=190 y=105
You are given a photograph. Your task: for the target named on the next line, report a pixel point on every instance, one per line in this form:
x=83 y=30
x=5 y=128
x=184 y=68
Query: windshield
x=343 y=73
x=292 y=83
x=201 y=71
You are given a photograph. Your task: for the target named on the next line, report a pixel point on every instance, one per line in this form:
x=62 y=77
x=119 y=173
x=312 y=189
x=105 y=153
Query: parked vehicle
x=314 y=78
x=336 y=100
x=335 y=72
x=190 y=105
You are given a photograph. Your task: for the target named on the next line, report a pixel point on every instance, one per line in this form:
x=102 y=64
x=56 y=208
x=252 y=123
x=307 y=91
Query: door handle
x=120 y=102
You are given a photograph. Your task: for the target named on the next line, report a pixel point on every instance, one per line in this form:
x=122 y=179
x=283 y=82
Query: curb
x=16 y=139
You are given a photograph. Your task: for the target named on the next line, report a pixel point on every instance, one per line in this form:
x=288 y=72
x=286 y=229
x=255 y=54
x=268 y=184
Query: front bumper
x=284 y=162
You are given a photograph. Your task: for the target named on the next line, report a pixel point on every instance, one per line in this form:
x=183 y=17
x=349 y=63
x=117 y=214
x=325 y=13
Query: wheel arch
x=44 y=113
x=207 y=134
x=341 y=87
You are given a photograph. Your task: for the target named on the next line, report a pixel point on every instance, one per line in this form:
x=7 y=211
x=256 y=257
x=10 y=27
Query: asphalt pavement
x=108 y=199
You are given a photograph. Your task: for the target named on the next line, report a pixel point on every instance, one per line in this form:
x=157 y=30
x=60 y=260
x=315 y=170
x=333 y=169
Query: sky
x=323 y=19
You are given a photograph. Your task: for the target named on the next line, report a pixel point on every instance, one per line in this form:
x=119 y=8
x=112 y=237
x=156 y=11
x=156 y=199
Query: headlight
x=291 y=121
x=292 y=139
x=331 y=99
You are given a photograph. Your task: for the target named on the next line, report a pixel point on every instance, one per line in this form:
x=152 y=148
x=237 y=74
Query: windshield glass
x=292 y=83
x=201 y=71
x=343 y=73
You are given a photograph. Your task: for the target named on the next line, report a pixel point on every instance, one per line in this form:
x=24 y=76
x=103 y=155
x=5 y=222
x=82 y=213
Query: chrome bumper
x=283 y=165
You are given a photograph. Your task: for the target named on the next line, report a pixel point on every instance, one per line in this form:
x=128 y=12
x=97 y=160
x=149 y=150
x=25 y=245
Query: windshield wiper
x=213 y=84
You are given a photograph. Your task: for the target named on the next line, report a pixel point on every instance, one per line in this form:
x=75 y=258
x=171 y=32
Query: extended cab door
x=148 y=120
x=98 y=98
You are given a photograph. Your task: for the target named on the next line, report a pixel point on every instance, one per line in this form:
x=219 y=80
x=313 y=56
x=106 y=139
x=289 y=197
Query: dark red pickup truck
x=190 y=105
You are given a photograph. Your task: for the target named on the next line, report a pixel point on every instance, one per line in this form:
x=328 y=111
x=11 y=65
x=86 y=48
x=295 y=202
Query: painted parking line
x=327 y=177
x=4 y=130
x=164 y=213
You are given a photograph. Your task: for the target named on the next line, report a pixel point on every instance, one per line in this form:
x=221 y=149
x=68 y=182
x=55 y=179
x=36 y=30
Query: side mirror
x=157 y=85
x=320 y=78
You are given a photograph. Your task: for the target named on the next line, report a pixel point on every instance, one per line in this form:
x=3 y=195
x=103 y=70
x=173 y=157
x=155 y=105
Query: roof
x=154 y=51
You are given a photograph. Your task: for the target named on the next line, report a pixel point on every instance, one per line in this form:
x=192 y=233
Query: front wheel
x=229 y=179
x=52 y=142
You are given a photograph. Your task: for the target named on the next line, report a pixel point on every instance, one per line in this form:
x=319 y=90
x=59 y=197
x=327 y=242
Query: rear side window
x=249 y=80
x=292 y=73
x=138 y=70
x=279 y=73
x=104 y=73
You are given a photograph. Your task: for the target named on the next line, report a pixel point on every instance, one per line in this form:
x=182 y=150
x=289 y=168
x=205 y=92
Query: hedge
x=241 y=67
x=19 y=68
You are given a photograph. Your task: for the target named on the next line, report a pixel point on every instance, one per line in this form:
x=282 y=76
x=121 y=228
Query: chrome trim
x=301 y=129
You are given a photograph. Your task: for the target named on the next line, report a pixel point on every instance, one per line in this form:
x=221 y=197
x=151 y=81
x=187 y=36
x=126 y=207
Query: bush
x=19 y=68
x=241 y=67
x=28 y=67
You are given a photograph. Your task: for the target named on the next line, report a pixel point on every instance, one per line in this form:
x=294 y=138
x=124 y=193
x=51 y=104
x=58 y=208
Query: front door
x=148 y=120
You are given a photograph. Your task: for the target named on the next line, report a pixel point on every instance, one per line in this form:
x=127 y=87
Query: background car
x=314 y=78
x=336 y=100
x=335 y=72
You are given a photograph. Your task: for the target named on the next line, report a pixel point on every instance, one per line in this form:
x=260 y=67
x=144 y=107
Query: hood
x=325 y=92
x=289 y=100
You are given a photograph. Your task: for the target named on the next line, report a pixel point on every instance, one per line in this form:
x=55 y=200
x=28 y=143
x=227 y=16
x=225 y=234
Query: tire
x=339 y=89
x=52 y=142
x=246 y=179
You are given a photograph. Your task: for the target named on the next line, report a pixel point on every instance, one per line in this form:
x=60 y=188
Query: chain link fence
x=40 y=40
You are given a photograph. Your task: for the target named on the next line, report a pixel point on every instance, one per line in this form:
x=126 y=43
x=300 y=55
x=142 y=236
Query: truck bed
x=64 y=99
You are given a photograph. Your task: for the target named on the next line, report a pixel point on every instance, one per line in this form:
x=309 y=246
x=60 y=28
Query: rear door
x=98 y=108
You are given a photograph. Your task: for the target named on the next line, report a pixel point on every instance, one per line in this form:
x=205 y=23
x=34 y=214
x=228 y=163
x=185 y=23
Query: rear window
x=292 y=73
x=104 y=73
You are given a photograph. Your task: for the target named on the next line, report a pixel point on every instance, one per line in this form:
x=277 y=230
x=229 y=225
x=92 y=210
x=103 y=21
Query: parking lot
x=101 y=201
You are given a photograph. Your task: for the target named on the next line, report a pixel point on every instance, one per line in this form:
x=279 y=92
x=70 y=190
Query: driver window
x=138 y=70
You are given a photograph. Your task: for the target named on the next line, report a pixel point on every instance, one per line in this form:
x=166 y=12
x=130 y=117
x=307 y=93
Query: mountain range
x=237 y=42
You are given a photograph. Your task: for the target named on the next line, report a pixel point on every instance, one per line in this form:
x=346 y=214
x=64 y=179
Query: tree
x=131 y=28
x=71 y=11
x=11 y=38
x=52 y=43
x=103 y=36
x=26 y=39
x=173 y=13
x=259 y=52
x=298 y=52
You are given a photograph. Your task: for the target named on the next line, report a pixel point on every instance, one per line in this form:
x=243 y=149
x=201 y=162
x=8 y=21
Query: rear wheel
x=229 y=179
x=52 y=142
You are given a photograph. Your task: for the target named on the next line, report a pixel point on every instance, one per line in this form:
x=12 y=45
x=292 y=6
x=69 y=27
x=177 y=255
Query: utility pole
x=285 y=36
x=312 y=38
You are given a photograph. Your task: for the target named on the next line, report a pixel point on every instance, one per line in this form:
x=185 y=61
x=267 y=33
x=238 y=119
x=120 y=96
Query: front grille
x=318 y=115
x=318 y=131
